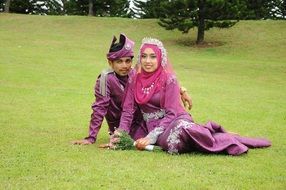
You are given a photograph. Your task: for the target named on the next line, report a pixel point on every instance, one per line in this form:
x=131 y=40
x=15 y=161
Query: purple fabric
x=206 y=138
x=170 y=98
x=109 y=106
x=126 y=51
x=181 y=134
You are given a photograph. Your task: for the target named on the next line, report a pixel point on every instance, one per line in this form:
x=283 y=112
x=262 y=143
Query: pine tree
x=255 y=9
x=149 y=8
x=19 y=6
x=203 y=14
x=277 y=9
x=2 y=5
x=76 y=7
x=114 y=8
x=118 y=8
x=51 y=7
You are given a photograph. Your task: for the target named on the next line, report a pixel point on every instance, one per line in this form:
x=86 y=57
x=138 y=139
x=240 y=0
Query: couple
x=109 y=92
x=153 y=90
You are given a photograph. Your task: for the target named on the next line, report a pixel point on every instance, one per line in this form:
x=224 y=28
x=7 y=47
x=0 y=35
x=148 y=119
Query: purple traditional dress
x=109 y=93
x=168 y=124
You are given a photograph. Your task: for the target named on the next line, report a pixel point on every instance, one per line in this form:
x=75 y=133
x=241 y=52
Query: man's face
x=121 y=66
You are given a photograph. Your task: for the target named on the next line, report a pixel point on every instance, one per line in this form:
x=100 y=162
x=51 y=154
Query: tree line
x=248 y=9
x=103 y=8
x=172 y=14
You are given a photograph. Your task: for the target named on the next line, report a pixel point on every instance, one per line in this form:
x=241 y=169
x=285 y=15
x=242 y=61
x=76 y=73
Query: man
x=109 y=93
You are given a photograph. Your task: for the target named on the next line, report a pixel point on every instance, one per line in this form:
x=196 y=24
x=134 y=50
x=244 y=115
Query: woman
x=154 y=88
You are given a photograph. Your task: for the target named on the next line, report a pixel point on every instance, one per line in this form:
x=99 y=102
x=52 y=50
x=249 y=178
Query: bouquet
x=123 y=141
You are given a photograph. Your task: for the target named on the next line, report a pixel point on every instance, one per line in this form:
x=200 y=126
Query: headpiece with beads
x=159 y=44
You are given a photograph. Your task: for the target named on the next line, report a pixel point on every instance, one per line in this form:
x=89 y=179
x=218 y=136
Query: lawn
x=48 y=67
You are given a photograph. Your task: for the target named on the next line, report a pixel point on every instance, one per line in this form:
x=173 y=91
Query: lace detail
x=154 y=115
x=171 y=79
x=153 y=135
x=174 y=137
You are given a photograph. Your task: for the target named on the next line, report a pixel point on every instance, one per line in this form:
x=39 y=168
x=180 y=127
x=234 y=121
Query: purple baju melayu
x=109 y=93
x=173 y=129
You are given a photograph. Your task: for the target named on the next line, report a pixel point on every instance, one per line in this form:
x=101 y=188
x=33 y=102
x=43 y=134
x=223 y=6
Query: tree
x=34 y=6
x=90 y=8
x=113 y=8
x=277 y=9
x=7 y=6
x=203 y=14
x=2 y=5
x=264 y=9
x=148 y=9
x=75 y=7
x=20 y=6
x=255 y=9
x=47 y=7
x=117 y=8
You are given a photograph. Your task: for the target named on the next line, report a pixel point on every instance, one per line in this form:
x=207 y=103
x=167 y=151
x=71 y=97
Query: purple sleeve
x=99 y=107
x=170 y=102
x=128 y=109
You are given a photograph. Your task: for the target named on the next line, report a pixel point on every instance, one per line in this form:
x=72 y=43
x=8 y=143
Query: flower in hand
x=121 y=140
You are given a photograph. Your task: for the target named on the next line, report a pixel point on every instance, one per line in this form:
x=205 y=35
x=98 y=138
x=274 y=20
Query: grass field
x=48 y=67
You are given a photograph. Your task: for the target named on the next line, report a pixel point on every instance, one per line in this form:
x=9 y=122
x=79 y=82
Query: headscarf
x=126 y=48
x=147 y=84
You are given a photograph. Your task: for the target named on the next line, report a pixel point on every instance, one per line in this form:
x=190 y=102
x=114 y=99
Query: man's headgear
x=124 y=48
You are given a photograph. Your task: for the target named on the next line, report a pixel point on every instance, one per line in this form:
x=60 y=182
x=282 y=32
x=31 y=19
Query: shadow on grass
x=192 y=43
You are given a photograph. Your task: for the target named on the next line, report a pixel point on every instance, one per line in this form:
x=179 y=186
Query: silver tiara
x=159 y=44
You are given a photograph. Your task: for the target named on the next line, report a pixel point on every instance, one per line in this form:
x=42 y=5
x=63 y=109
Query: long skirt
x=184 y=136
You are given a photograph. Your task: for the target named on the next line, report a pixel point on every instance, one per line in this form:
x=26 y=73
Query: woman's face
x=149 y=60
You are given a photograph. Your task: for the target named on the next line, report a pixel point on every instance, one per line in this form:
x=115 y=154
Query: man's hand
x=142 y=143
x=81 y=142
x=112 y=143
x=187 y=100
x=106 y=145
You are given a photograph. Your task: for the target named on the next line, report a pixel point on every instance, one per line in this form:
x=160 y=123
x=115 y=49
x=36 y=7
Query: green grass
x=48 y=66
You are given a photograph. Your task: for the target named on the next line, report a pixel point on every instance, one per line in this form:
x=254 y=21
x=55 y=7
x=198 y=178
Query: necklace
x=146 y=90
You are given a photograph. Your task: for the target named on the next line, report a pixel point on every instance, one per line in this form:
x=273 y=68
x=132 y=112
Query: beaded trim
x=159 y=44
x=153 y=115
x=174 y=137
x=146 y=90
x=154 y=134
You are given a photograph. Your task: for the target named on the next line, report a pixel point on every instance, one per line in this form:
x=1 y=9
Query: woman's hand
x=116 y=133
x=142 y=143
x=113 y=139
